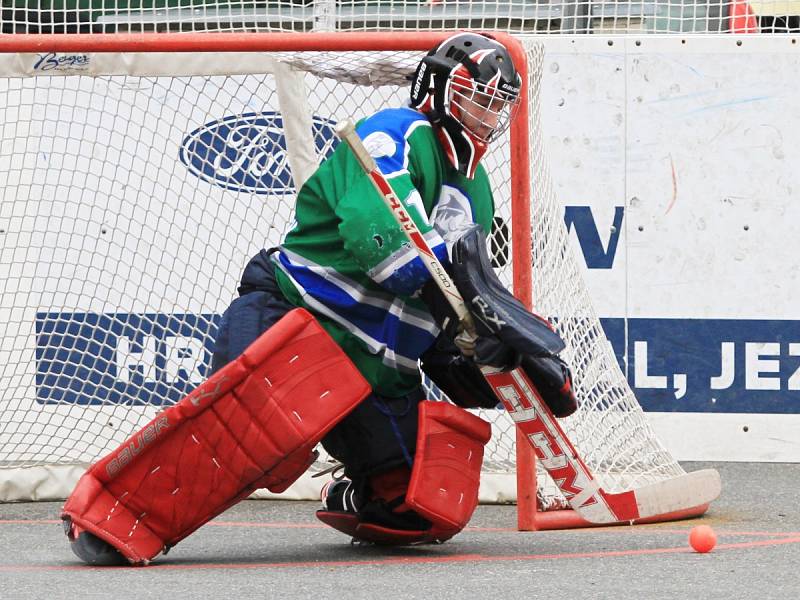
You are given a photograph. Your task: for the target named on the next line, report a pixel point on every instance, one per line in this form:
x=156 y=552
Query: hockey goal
x=141 y=172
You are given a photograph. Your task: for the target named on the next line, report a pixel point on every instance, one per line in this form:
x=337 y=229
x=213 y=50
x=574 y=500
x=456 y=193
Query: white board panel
x=692 y=143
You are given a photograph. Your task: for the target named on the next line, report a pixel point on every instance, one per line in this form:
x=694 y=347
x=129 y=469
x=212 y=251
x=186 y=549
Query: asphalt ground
x=277 y=549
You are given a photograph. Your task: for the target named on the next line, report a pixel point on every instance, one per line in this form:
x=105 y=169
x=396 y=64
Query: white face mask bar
x=485 y=111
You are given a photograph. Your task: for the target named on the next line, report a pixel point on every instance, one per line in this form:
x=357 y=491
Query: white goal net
x=138 y=185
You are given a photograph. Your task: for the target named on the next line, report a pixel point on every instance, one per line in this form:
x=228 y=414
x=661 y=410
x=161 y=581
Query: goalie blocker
x=252 y=424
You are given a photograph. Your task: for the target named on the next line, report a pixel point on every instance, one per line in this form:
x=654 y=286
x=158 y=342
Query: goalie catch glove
x=508 y=335
x=461 y=380
x=486 y=349
x=553 y=381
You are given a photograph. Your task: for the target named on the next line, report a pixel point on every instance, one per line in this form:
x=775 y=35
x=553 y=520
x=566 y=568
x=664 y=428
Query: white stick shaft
x=347 y=133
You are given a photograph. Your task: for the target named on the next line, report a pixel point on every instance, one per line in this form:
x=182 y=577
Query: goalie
x=345 y=292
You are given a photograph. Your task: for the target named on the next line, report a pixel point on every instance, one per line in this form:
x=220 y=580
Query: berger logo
x=62 y=63
x=247 y=153
x=133 y=448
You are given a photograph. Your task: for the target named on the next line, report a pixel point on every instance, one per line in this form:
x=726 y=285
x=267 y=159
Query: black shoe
x=340 y=496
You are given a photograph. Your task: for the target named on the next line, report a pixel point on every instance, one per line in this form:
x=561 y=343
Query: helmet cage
x=483 y=109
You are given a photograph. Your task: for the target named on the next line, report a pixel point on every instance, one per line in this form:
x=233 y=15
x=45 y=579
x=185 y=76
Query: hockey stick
x=529 y=412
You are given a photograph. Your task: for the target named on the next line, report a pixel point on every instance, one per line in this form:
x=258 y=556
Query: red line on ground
x=776 y=542
x=638 y=529
x=655 y=528
x=415 y=560
x=29 y=521
x=211 y=524
x=275 y=525
x=268 y=525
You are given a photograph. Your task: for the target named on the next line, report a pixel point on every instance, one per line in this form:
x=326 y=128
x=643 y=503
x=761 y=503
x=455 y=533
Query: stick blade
x=679 y=493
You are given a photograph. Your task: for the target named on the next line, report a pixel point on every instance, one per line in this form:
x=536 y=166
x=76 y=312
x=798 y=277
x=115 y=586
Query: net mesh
x=132 y=203
x=609 y=430
x=516 y=16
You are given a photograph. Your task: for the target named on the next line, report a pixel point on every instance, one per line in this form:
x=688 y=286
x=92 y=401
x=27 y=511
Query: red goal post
x=518 y=169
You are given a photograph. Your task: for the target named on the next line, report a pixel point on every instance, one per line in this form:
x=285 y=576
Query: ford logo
x=247 y=153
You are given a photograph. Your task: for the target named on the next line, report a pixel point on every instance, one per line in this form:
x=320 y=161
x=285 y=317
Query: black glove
x=461 y=380
x=456 y=375
x=484 y=349
x=489 y=350
x=553 y=381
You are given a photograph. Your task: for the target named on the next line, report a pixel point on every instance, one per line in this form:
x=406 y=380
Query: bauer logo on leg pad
x=139 y=442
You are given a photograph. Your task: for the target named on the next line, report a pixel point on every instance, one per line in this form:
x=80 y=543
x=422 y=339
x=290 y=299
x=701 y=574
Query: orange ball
x=702 y=538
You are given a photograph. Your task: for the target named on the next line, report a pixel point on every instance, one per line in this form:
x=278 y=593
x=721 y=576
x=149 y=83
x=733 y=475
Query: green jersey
x=350 y=264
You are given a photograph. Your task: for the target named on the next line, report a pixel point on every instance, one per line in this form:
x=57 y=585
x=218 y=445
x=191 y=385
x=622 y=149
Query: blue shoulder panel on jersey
x=396 y=124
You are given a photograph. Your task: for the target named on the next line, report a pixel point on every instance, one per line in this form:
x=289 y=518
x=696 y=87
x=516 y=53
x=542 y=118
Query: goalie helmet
x=469 y=89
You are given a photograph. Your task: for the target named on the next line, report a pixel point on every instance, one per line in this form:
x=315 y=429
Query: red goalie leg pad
x=253 y=423
x=387 y=536
x=447 y=466
x=345 y=522
x=443 y=485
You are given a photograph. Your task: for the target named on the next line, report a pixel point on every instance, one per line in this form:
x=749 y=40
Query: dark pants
x=378 y=435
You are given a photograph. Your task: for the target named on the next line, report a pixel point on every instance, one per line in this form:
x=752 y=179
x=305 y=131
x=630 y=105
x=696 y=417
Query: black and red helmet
x=469 y=88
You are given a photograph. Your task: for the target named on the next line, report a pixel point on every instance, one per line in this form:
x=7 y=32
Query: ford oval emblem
x=247 y=153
